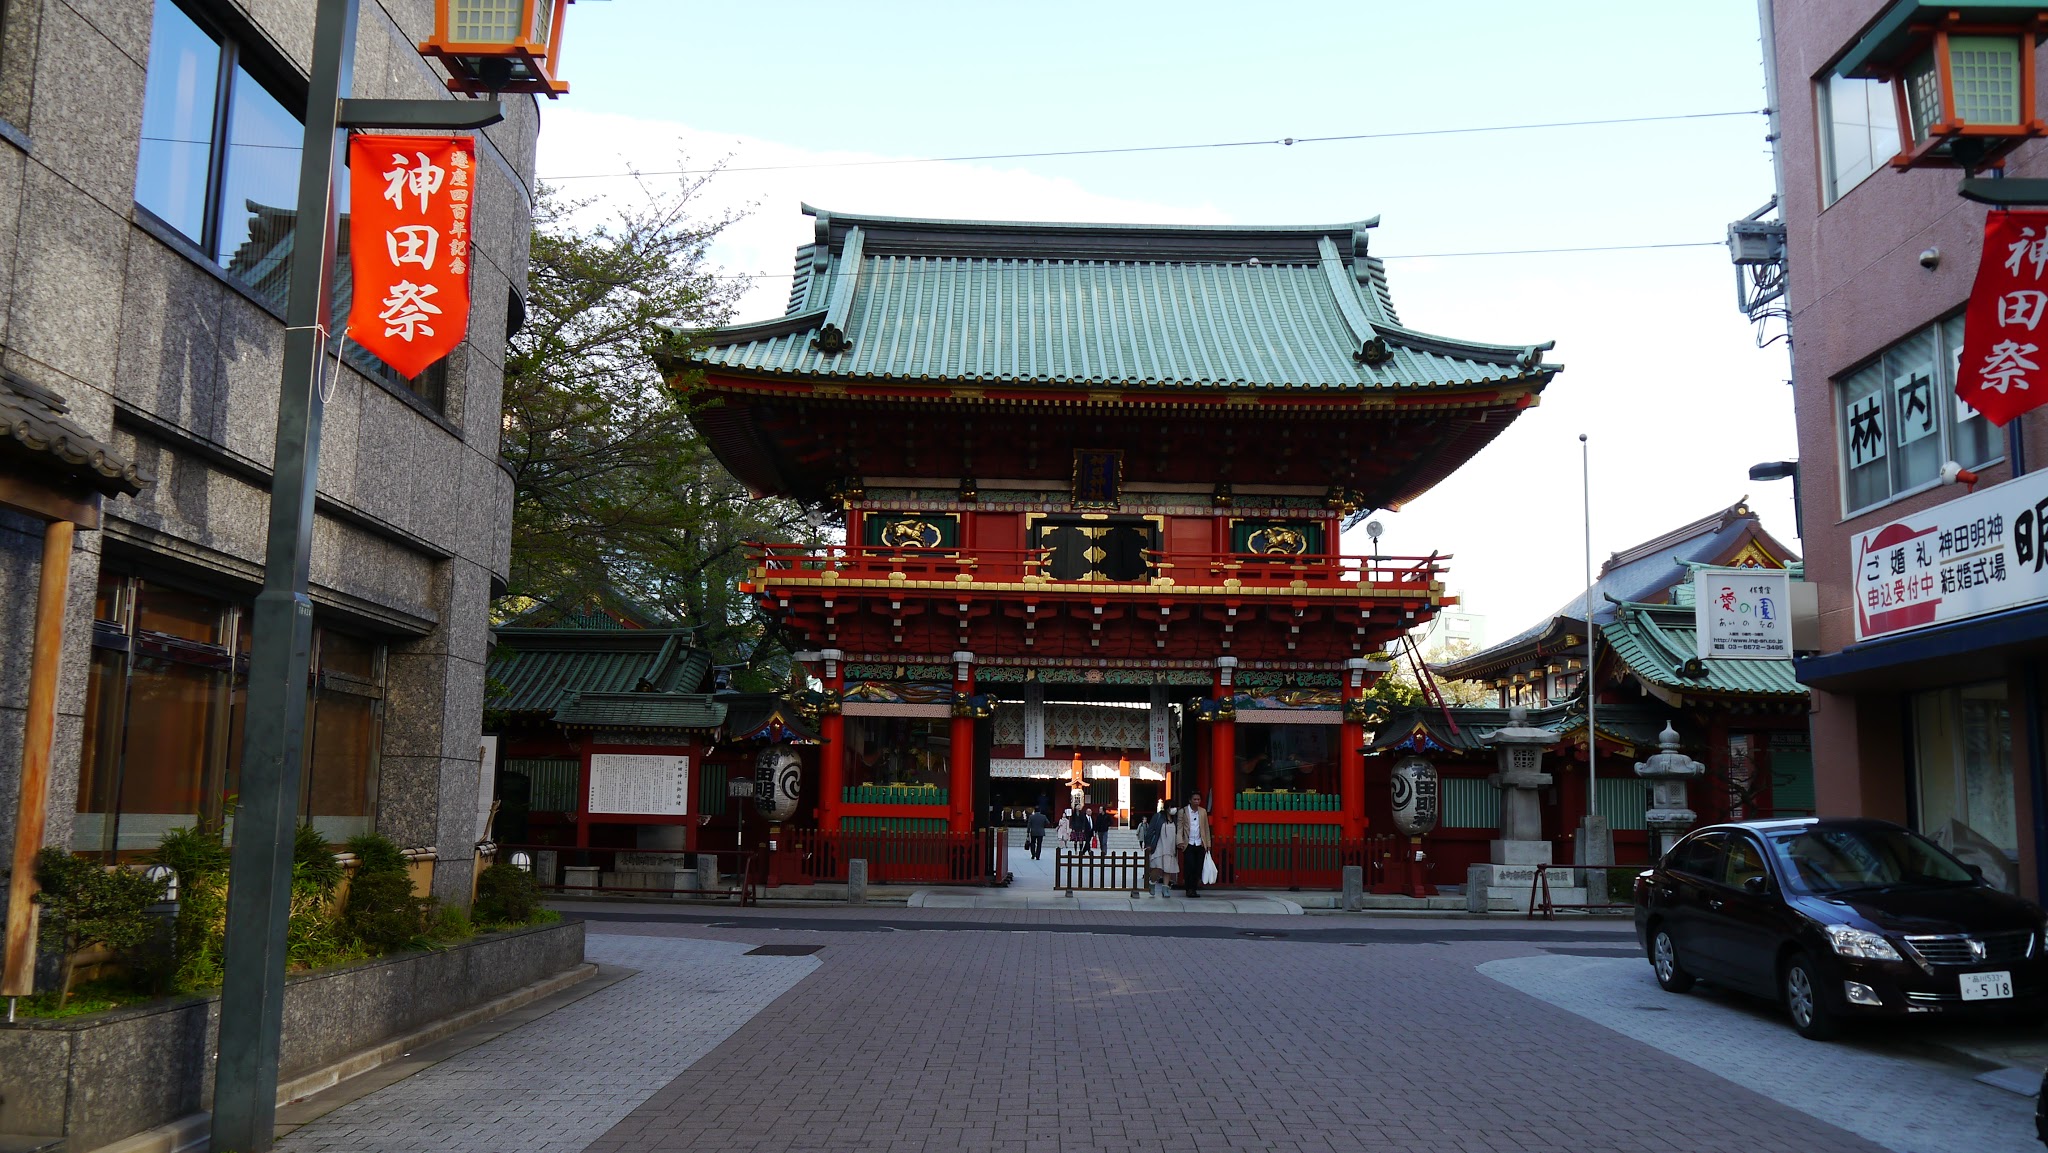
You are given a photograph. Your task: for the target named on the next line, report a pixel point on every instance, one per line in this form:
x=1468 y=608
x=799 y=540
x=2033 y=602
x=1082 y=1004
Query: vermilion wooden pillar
x=832 y=731
x=961 y=751
x=1351 y=753
x=1223 y=754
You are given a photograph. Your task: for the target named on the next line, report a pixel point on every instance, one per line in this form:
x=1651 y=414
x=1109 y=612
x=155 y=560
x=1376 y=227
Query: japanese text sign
x=1742 y=613
x=2000 y=374
x=1976 y=554
x=409 y=209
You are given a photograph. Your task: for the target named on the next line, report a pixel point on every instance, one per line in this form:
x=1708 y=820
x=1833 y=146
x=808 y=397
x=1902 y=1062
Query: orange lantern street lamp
x=494 y=46
x=1962 y=76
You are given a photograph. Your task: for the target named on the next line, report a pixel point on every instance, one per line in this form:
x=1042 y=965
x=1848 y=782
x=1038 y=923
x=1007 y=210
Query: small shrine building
x=1092 y=480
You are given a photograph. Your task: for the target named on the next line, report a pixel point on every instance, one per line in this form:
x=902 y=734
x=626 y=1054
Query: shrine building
x=1092 y=480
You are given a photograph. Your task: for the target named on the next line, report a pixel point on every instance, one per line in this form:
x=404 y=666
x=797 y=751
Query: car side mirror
x=1755 y=886
x=1976 y=873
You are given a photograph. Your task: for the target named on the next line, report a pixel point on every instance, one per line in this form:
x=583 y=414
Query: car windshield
x=1840 y=860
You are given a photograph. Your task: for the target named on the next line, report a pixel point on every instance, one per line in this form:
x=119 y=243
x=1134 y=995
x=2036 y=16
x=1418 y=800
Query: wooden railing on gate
x=1098 y=872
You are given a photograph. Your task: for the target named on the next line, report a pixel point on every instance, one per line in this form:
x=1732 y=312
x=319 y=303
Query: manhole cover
x=782 y=950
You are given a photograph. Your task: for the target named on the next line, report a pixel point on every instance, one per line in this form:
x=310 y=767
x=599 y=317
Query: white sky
x=1662 y=373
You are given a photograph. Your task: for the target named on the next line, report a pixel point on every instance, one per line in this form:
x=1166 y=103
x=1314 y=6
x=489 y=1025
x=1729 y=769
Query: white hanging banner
x=1162 y=722
x=1034 y=725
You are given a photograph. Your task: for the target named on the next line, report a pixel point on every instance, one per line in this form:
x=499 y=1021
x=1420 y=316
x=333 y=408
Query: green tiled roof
x=693 y=712
x=1168 y=307
x=535 y=670
x=1420 y=727
x=1656 y=641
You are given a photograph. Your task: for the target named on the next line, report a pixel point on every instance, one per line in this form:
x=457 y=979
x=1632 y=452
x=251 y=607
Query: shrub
x=382 y=913
x=447 y=924
x=87 y=904
x=506 y=895
x=199 y=858
x=313 y=863
x=376 y=853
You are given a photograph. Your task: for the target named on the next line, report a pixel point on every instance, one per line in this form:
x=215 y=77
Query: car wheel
x=1810 y=1013
x=1671 y=976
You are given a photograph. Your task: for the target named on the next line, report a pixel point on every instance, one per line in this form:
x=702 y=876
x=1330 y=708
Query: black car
x=1840 y=920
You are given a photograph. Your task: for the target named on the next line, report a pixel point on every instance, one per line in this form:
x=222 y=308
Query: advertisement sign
x=1742 y=613
x=639 y=784
x=409 y=218
x=1977 y=554
x=2000 y=371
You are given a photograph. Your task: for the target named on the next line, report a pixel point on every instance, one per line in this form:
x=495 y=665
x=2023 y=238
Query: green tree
x=615 y=494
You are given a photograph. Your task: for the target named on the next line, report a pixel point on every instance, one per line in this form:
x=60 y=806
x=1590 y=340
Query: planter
x=94 y=1080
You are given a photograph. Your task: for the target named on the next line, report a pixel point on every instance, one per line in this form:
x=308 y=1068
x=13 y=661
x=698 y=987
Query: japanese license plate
x=1986 y=986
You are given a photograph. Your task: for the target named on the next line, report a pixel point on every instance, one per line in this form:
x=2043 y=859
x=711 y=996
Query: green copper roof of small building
x=1169 y=307
x=535 y=670
x=1656 y=642
x=682 y=712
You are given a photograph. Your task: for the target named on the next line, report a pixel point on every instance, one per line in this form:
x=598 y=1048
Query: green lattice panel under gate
x=1267 y=847
x=892 y=824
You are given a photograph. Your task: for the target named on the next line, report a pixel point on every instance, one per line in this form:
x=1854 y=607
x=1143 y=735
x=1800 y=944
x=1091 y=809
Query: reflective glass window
x=179 y=101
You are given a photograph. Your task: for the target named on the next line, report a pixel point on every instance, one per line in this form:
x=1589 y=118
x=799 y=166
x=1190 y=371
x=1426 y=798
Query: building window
x=1963 y=779
x=219 y=164
x=166 y=698
x=1859 y=132
x=1900 y=420
x=1290 y=758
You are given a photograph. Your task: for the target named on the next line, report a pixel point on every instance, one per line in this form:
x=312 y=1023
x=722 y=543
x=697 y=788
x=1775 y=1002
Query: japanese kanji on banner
x=1977 y=554
x=409 y=214
x=2000 y=373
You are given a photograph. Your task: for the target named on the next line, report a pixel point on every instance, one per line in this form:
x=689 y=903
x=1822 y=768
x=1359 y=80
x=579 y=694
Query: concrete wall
x=96 y=1080
x=160 y=353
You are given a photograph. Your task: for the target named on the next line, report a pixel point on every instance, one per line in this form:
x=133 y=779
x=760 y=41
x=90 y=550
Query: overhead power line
x=1399 y=256
x=1284 y=142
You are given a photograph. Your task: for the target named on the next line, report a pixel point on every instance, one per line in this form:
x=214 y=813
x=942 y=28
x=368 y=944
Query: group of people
x=1176 y=841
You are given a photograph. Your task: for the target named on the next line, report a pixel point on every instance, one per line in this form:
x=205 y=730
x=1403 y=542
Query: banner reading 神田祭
x=409 y=253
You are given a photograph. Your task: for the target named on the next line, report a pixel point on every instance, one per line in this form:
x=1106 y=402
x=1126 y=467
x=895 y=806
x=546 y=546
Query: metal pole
x=1592 y=733
x=259 y=882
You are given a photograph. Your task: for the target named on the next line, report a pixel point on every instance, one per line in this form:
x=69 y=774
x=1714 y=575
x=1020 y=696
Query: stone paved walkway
x=553 y=1085
x=1895 y=1102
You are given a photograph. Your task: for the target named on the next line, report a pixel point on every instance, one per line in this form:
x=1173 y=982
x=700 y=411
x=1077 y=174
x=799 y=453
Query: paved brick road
x=1003 y=1031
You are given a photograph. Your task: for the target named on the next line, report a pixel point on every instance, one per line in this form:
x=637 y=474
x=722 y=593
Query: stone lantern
x=1505 y=882
x=1668 y=771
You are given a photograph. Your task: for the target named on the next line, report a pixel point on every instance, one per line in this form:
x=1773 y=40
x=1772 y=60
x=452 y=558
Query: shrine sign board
x=1978 y=554
x=639 y=784
x=1742 y=613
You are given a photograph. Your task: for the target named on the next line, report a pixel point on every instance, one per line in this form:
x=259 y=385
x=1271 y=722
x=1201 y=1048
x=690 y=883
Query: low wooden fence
x=1122 y=871
x=980 y=857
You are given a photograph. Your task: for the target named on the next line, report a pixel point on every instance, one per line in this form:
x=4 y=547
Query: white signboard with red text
x=1977 y=554
x=1743 y=613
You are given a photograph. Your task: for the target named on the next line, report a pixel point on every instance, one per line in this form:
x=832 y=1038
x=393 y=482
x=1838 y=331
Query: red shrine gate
x=1092 y=480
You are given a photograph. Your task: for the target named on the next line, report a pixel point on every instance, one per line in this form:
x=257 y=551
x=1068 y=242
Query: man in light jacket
x=1195 y=835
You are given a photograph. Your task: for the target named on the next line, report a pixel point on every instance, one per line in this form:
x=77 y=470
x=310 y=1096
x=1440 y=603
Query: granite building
x=148 y=172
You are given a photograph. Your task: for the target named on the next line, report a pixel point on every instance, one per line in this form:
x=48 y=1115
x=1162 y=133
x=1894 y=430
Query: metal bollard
x=857 y=881
x=1354 y=888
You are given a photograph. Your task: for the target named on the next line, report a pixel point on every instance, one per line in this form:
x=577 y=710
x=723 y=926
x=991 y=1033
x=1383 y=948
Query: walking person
x=1105 y=820
x=1195 y=836
x=1083 y=830
x=1065 y=831
x=1034 y=832
x=1162 y=865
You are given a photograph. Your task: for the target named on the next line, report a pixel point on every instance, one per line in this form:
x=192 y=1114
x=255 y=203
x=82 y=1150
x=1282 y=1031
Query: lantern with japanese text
x=1962 y=76
x=410 y=201
x=494 y=46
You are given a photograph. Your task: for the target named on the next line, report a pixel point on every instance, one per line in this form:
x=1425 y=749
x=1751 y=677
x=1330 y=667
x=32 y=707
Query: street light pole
x=259 y=880
x=266 y=811
x=1592 y=733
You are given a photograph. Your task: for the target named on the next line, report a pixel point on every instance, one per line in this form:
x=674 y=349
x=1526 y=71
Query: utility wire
x=1285 y=141
x=1401 y=256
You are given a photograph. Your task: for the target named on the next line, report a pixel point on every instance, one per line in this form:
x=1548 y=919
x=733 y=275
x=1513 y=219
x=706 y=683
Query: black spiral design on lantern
x=1404 y=791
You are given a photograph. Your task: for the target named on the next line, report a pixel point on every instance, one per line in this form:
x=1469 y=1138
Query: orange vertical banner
x=409 y=216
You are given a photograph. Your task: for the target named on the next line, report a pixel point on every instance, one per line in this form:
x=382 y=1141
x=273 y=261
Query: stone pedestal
x=579 y=880
x=1595 y=846
x=1503 y=883
x=857 y=881
x=1506 y=888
